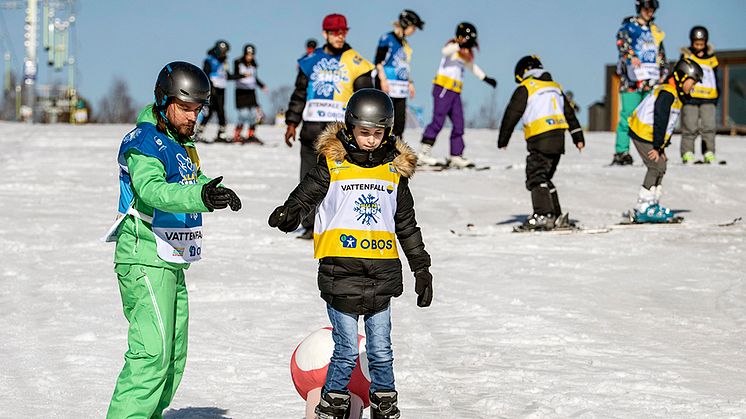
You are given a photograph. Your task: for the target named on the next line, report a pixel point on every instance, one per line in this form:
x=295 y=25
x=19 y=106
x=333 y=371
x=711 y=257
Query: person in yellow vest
x=650 y=128
x=361 y=187
x=326 y=79
x=457 y=55
x=698 y=113
x=546 y=114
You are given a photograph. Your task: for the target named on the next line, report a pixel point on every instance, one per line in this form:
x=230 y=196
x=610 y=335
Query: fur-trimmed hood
x=709 y=51
x=330 y=146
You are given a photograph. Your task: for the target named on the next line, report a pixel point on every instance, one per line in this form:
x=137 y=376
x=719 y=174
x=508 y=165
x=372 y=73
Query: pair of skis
x=472 y=230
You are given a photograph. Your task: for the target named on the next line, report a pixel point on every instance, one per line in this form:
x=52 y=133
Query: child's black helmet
x=183 y=81
x=466 y=34
x=526 y=63
x=370 y=108
x=410 y=18
x=650 y=4
x=699 y=32
x=686 y=69
x=249 y=49
x=221 y=47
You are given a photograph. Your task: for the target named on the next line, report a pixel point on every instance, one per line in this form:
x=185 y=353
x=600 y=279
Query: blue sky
x=575 y=38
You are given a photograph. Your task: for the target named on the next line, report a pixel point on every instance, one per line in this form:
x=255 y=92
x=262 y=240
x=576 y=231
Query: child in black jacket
x=361 y=187
x=546 y=113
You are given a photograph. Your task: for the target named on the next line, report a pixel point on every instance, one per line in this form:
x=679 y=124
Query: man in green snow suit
x=163 y=193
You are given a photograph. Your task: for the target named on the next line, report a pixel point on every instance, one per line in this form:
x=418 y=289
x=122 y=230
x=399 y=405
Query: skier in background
x=311 y=45
x=642 y=65
x=216 y=67
x=361 y=187
x=650 y=127
x=392 y=64
x=457 y=54
x=326 y=79
x=249 y=111
x=159 y=234
x=546 y=113
x=698 y=113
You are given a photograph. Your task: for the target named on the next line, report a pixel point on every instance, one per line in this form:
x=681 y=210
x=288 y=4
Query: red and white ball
x=310 y=361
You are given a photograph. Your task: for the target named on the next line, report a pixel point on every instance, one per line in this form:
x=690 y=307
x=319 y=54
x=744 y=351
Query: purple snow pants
x=446 y=103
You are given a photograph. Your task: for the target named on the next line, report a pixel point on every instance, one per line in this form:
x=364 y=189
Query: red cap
x=334 y=22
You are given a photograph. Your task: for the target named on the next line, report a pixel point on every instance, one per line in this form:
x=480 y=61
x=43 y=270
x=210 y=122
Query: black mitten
x=423 y=286
x=284 y=218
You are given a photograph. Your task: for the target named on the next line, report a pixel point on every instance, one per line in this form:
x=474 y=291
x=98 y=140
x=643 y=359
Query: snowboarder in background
x=545 y=112
x=457 y=54
x=392 y=64
x=698 y=113
x=361 y=187
x=650 y=127
x=159 y=234
x=642 y=65
x=216 y=68
x=326 y=79
x=249 y=111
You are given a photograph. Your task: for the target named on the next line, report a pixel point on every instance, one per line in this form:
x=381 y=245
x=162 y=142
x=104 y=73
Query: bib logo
x=368 y=208
x=390 y=189
x=348 y=241
x=132 y=135
x=326 y=77
x=186 y=170
x=400 y=62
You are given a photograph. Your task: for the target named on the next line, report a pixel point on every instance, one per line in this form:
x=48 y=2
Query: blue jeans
x=377 y=345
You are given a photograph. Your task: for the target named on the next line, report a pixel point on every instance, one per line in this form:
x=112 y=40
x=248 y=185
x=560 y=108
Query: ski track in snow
x=643 y=322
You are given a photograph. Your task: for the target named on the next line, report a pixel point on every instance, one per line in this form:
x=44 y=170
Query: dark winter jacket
x=310 y=131
x=550 y=142
x=359 y=285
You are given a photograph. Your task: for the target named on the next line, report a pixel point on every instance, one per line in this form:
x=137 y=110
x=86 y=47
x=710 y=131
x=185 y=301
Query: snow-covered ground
x=636 y=323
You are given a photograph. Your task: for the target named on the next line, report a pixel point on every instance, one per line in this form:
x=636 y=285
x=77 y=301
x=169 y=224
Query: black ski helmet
x=686 y=69
x=699 y=32
x=408 y=18
x=526 y=63
x=370 y=108
x=650 y=4
x=249 y=49
x=466 y=34
x=311 y=43
x=221 y=47
x=183 y=81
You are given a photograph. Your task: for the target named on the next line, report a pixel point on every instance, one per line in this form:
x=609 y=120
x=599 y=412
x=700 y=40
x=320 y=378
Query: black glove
x=423 y=286
x=489 y=80
x=284 y=218
x=577 y=137
x=219 y=197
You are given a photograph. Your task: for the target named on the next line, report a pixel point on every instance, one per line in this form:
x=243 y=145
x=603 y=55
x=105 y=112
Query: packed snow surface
x=643 y=322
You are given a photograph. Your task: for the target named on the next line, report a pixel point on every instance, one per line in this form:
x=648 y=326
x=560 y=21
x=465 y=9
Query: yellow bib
x=545 y=108
x=356 y=217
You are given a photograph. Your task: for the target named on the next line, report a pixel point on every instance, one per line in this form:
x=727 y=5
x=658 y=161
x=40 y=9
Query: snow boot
x=539 y=222
x=237 y=134
x=383 y=405
x=622 y=159
x=709 y=157
x=424 y=158
x=648 y=210
x=333 y=405
x=307 y=234
x=220 y=137
x=459 y=162
x=687 y=157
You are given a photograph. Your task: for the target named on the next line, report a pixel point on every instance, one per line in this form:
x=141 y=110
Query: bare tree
x=8 y=108
x=117 y=106
x=488 y=115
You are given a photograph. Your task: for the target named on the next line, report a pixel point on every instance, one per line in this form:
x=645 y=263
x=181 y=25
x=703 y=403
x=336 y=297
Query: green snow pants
x=630 y=100
x=156 y=307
